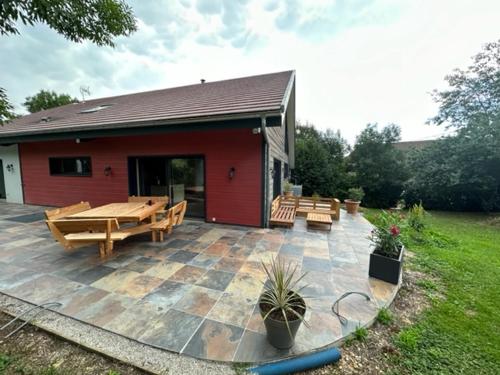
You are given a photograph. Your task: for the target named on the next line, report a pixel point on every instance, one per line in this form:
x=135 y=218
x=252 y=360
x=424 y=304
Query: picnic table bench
x=79 y=225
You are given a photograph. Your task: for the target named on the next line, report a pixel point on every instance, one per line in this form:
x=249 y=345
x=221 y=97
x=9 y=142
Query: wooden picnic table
x=125 y=212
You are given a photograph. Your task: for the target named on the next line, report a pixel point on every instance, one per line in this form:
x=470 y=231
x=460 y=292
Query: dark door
x=3 y=195
x=180 y=178
x=187 y=182
x=276 y=178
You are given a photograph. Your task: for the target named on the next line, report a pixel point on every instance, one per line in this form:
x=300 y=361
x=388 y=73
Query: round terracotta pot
x=288 y=193
x=277 y=331
x=351 y=206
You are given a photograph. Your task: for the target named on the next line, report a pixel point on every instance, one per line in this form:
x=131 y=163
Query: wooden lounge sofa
x=282 y=214
x=173 y=216
x=306 y=205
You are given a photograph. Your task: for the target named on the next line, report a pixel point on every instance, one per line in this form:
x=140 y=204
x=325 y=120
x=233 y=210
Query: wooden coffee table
x=314 y=218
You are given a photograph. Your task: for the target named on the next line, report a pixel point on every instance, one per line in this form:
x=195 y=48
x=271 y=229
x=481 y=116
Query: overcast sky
x=357 y=61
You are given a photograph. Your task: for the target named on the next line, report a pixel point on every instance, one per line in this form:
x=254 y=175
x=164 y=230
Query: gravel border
x=144 y=357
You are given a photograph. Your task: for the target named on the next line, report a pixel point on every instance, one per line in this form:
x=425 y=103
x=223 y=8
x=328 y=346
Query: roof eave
x=137 y=127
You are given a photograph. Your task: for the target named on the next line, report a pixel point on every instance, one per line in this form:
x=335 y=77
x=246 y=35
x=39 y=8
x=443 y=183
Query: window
x=71 y=166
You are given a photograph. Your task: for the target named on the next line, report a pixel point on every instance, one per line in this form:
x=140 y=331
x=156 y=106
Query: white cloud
x=356 y=62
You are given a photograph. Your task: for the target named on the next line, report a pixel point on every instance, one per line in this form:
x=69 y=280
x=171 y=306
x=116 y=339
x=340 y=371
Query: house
x=407 y=146
x=224 y=146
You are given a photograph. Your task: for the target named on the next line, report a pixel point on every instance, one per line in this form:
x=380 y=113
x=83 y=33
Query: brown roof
x=410 y=145
x=240 y=97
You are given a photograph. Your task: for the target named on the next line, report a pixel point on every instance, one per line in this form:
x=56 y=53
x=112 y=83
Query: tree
x=47 y=99
x=319 y=162
x=96 y=20
x=6 y=108
x=474 y=93
x=378 y=167
x=461 y=172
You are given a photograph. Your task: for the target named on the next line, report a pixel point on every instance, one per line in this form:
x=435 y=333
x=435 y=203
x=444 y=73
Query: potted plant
x=355 y=196
x=288 y=189
x=386 y=260
x=281 y=306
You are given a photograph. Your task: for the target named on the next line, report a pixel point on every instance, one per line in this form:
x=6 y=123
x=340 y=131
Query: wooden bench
x=151 y=199
x=173 y=216
x=75 y=233
x=282 y=214
x=59 y=213
x=315 y=218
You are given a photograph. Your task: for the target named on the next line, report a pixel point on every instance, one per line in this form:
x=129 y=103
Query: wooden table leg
x=109 y=248
x=102 y=249
x=153 y=232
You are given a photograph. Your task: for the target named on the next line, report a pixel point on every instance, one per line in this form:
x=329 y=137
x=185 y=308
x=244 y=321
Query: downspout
x=265 y=173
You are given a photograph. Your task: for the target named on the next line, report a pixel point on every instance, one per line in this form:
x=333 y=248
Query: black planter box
x=384 y=268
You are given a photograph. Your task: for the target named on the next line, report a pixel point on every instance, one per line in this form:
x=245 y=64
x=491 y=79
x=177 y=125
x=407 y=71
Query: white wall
x=13 y=187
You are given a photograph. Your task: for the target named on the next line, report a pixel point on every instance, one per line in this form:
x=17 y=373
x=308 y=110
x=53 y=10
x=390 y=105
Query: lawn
x=460 y=333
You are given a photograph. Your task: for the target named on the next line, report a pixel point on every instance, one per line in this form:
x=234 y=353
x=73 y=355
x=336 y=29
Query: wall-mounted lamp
x=10 y=168
x=232 y=172
x=107 y=171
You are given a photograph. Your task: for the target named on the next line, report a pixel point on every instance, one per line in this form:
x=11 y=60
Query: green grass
x=360 y=333
x=460 y=333
x=384 y=316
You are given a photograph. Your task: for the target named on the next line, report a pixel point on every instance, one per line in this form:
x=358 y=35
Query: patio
x=195 y=293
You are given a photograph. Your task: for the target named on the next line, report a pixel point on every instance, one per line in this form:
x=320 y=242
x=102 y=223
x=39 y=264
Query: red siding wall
x=236 y=201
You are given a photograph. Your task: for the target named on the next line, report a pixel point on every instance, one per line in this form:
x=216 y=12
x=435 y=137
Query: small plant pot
x=288 y=193
x=352 y=206
x=386 y=269
x=277 y=331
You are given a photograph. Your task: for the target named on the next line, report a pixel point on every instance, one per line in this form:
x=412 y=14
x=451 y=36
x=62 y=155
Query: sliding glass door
x=181 y=178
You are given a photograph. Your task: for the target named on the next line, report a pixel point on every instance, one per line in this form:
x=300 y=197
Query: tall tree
x=461 y=172
x=98 y=21
x=47 y=99
x=6 y=108
x=379 y=167
x=319 y=165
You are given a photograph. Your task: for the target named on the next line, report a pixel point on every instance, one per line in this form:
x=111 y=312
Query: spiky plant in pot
x=281 y=305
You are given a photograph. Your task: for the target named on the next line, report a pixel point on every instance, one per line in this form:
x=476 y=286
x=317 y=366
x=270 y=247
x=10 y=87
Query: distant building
x=412 y=145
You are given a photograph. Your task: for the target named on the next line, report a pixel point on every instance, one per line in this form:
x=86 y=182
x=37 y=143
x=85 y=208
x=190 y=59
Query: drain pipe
x=263 y=129
x=292 y=365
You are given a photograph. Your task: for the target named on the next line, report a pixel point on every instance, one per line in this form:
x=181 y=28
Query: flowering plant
x=385 y=237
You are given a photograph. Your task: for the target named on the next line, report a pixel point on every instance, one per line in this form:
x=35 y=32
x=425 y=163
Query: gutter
x=265 y=174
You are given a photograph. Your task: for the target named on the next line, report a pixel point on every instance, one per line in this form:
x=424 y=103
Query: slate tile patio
x=197 y=292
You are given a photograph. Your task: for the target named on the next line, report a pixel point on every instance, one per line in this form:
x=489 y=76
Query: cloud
x=356 y=61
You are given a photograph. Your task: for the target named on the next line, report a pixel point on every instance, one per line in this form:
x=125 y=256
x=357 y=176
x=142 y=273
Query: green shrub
x=356 y=194
x=416 y=217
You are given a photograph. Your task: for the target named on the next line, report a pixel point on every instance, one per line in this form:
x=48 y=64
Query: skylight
x=96 y=109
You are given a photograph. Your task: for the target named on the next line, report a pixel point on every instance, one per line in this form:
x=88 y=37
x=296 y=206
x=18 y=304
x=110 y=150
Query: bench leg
x=161 y=236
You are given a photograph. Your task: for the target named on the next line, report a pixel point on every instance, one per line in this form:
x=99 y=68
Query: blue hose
x=289 y=366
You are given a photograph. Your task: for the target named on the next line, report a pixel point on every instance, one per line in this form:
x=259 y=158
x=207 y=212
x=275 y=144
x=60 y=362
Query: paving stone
x=218 y=280
x=214 y=340
x=172 y=330
x=198 y=300
x=182 y=256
